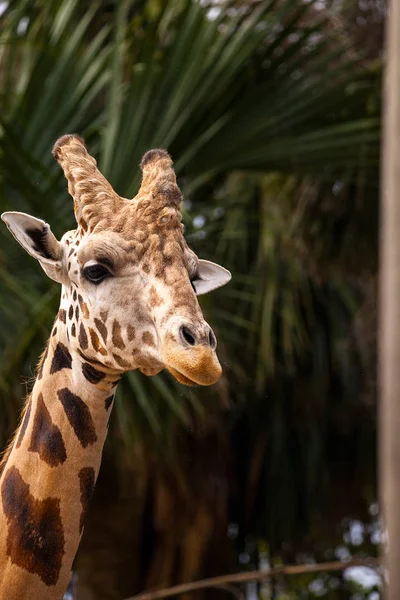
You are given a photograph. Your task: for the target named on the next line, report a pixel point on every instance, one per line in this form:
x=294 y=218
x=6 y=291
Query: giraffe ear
x=210 y=276
x=36 y=237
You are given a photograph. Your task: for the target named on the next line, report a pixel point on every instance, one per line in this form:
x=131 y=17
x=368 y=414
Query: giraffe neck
x=50 y=471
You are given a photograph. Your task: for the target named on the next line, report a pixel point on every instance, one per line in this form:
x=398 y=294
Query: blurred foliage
x=270 y=110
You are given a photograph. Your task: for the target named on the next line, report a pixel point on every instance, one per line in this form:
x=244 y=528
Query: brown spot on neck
x=84 y=307
x=116 y=336
x=96 y=342
x=120 y=361
x=148 y=339
x=83 y=339
x=131 y=332
x=102 y=329
x=35 y=537
x=108 y=401
x=62 y=359
x=46 y=437
x=87 y=479
x=62 y=315
x=92 y=374
x=79 y=416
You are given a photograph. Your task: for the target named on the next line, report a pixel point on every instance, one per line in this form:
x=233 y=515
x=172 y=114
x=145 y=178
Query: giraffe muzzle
x=195 y=367
x=192 y=359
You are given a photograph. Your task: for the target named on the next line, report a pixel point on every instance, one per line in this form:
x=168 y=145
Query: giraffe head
x=129 y=279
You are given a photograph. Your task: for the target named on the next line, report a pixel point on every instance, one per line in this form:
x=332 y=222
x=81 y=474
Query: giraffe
x=128 y=301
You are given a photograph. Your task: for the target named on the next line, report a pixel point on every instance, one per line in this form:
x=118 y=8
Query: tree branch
x=222 y=580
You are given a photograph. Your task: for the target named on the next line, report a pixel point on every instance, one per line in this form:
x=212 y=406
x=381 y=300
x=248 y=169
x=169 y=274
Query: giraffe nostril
x=212 y=339
x=188 y=336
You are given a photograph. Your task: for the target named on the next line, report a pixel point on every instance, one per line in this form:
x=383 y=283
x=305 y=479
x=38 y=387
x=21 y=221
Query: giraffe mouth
x=182 y=378
x=191 y=366
x=198 y=368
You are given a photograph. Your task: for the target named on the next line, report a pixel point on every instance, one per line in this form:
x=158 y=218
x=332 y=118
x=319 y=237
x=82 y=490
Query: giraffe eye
x=96 y=273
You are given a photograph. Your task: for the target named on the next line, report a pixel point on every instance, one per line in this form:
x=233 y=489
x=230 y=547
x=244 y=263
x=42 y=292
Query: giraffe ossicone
x=128 y=301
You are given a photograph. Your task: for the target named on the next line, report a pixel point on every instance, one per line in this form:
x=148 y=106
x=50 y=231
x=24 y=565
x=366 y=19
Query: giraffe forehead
x=147 y=242
x=149 y=226
x=106 y=245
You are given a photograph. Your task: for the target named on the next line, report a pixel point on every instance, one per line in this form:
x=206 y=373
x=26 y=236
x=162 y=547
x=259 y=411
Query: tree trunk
x=390 y=312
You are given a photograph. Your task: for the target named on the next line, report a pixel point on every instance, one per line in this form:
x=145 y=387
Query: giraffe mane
x=6 y=452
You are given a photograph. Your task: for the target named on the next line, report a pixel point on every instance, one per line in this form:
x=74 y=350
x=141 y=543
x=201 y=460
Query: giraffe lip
x=149 y=372
x=185 y=380
x=198 y=381
x=182 y=378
